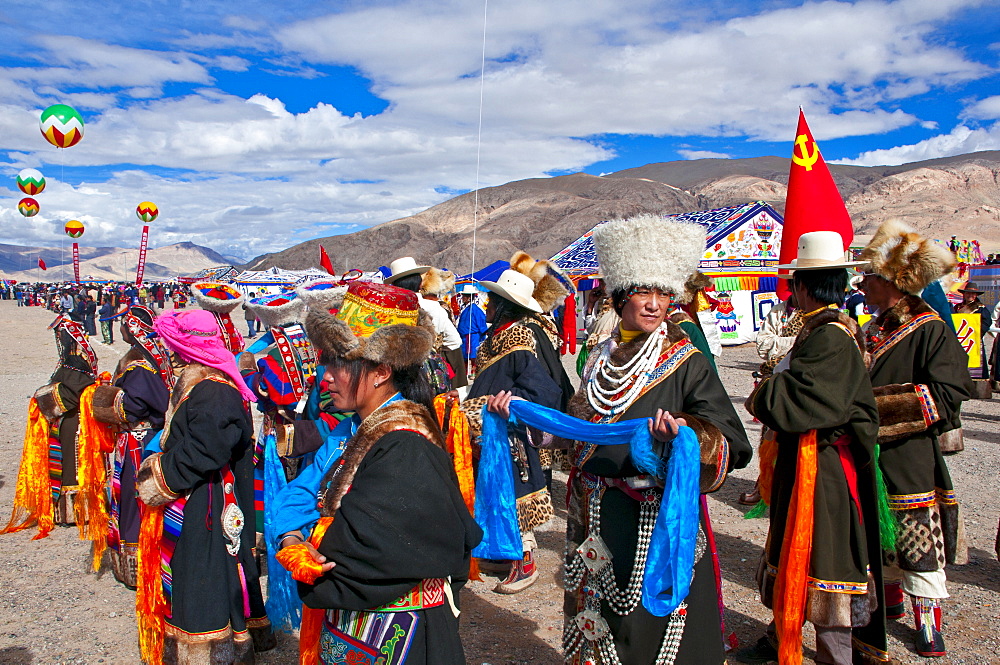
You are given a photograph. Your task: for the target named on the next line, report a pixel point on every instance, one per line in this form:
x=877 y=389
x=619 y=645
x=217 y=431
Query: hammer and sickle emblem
x=807 y=159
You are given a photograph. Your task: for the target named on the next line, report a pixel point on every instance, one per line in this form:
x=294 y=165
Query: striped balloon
x=30 y=181
x=61 y=125
x=74 y=229
x=147 y=211
x=27 y=207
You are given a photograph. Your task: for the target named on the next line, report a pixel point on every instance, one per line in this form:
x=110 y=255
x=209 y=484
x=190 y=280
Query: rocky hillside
x=162 y=263
x=954 y=195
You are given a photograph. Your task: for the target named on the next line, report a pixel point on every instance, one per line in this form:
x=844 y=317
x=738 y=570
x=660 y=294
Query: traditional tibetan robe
x=826 y=389
x=509 y=361
x=401 y=538
x=205 y=477
x=612 y=509
x=136 y=404
x=59 y=402
x=920 y=375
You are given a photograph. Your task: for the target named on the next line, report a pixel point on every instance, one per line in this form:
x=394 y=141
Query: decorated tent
x=741 y=252
x=216 y=274
x=488 y=274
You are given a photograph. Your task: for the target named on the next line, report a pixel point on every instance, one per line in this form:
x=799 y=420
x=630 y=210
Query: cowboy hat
x=404 y=267
x=971 y=287
x=515 y=287
x=819 y=250
x=468 y=290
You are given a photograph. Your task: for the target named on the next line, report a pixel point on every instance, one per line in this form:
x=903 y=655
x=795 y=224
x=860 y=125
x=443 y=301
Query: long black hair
x=411 y=382
x=827 y=285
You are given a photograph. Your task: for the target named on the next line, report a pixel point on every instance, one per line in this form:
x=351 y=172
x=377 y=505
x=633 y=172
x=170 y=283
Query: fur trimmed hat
x=216 y=297
x=378 y=322
x=900 y=255
x=278 y=309
x=649 y=250
x=437 y=282
x=322 y=293
x=551 y=285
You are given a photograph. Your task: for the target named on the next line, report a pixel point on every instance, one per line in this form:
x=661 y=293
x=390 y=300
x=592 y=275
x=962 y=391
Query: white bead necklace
x=625 y=381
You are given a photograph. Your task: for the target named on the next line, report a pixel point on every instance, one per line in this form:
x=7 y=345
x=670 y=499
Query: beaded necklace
x=626 y=381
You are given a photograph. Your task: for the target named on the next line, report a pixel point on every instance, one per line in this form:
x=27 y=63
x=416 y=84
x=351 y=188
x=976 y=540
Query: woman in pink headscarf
x=204 y=477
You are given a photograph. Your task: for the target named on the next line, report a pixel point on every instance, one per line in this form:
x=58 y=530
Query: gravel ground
x=54 y=611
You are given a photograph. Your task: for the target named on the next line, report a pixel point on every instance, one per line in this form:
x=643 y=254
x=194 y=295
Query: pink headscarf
x=194 y=335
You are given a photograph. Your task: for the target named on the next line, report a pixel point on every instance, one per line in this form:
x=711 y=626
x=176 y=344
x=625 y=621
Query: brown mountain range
x=940 y=197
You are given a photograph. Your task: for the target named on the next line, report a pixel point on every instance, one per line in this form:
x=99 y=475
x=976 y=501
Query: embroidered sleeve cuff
x=153 y=489
x=714 y=452
x=903 y=410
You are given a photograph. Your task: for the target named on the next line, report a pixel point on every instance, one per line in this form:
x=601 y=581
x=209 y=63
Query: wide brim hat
x=551 y=285
x=404 y=267
x=376 y=322
x=516 y=287
x=468 y=290
x=217 y=297
x=278 y=309
x=898 y=254
x=971 y=287
x=649 y=250
x=819 y=250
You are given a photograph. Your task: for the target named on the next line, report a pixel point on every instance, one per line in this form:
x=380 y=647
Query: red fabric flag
x=324 y=260
x=41 y=264
x=812 y=203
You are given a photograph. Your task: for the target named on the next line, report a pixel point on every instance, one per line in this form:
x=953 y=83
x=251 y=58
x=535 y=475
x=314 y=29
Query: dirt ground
x=53 y=611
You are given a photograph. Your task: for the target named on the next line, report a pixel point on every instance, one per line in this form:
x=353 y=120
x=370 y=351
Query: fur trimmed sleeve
x=714 y=451
x=904 y=409
x=152 y=486
x=108 y=405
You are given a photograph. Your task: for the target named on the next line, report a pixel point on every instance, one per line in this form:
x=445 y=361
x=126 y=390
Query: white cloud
x=702 y=154
x=984 y=109
x=959 y=141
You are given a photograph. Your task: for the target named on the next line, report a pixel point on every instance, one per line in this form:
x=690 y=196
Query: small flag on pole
x=324 y=260
x=41 y=264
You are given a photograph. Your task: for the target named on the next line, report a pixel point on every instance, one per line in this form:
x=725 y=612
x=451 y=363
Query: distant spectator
x=90 y=316
x=855 y=304
x=107 y=326
x=249 y=316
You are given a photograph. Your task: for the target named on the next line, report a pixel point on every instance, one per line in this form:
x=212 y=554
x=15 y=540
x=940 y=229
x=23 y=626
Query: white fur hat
x=217 y=297
x=649 y=250
x=322 y=293
x=278 y=309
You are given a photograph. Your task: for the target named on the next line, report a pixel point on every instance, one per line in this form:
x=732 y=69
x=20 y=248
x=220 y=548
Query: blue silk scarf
x=670 y=564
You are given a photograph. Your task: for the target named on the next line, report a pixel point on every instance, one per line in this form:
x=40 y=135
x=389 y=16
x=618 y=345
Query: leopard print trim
x=515 y=338
x=534 y=510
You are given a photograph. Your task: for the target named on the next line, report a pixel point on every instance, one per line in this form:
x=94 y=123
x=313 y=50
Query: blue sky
x=256 y=125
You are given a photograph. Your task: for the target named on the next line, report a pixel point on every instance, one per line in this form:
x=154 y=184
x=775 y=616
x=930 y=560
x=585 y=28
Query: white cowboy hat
x=515 y=287
x=819 y=250
x=468 y=290
x=403 y=267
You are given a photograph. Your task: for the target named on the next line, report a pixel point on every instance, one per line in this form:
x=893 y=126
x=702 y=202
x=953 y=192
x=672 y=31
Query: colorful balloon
x=61 y=125
x=27 y=207
x=147 y=211
x=30 y=181
x=74 y=229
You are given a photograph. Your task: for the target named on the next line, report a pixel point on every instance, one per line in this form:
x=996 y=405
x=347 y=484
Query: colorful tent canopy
x=740 y=239
x=488 y=274
x=215 y=274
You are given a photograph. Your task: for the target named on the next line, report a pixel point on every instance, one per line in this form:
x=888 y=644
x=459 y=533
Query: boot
x=895 y=605
x=927 y=612
x=523 y=574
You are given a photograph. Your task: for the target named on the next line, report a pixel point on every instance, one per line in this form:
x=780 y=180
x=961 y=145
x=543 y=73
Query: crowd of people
x=407 y=444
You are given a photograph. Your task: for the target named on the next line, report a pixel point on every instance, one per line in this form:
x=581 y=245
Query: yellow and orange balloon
x=147 y=211
x=74 y=228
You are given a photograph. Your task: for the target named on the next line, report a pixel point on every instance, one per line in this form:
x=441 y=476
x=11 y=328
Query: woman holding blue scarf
x=647 y=370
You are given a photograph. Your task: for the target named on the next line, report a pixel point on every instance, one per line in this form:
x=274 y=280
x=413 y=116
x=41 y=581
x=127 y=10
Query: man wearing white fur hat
x=920 y=375
x=647 y=369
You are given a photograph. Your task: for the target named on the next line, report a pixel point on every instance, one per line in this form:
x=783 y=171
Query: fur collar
x=398 y=415
x=902 y=312
x=824 y=317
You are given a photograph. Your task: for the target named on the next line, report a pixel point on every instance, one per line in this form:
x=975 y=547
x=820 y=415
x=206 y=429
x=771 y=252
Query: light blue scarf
x=670 y=564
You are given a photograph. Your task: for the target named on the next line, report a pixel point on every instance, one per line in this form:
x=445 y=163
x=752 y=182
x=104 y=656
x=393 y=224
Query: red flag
x=324 y=260
x=813 y=202
x=41 y=264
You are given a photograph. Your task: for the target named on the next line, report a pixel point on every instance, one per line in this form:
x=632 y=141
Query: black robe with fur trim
x=399 y=518
x=692 y=390
x=826 y=388
x=916 y=476
x=209 y=428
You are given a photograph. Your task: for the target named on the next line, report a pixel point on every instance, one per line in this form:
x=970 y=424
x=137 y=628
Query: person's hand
x=451 y=397
x=326 y=566
x=500 y=403
x=664 y=427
